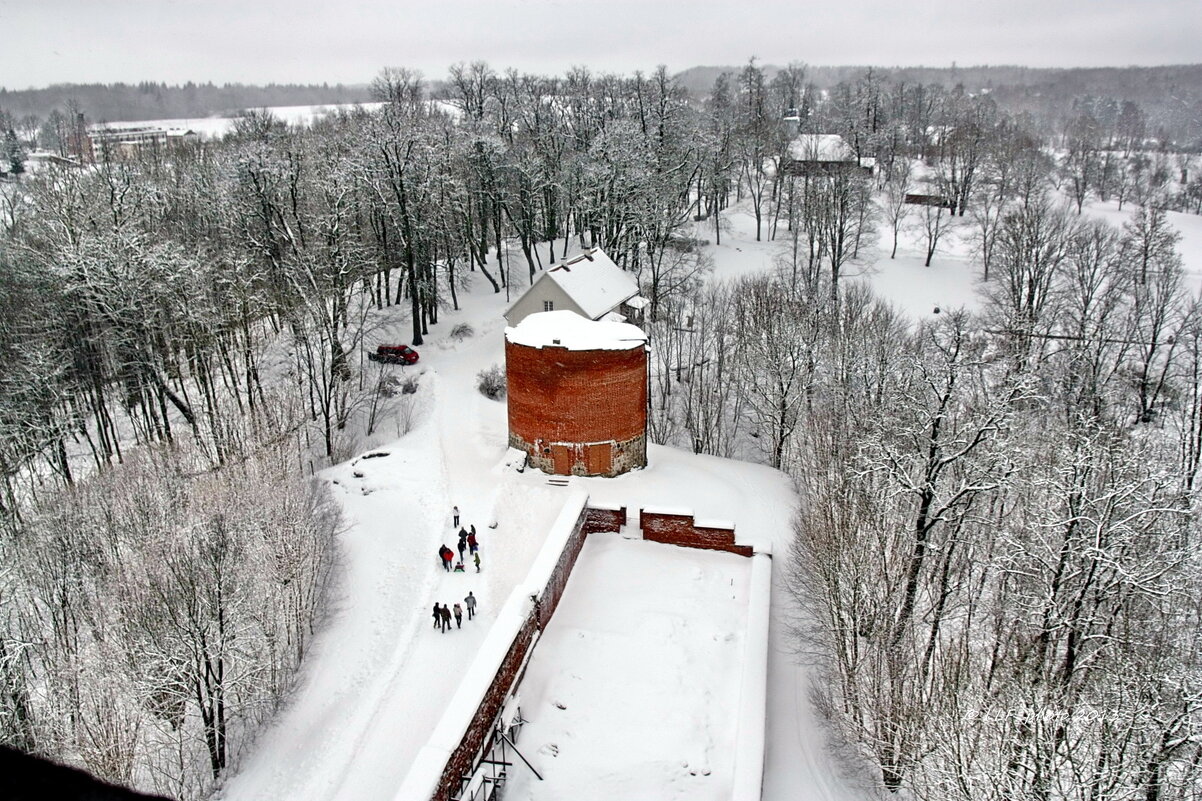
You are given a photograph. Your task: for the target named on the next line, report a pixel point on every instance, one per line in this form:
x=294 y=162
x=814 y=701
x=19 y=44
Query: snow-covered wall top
x=748 y=782
x=565 y=329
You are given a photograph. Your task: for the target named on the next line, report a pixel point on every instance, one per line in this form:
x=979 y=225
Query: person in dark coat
x=458 y=616
x=462 y=548
x=471 y=541
x=447 y=555
x=470 y=603
x=446 y=617
x=437 y=615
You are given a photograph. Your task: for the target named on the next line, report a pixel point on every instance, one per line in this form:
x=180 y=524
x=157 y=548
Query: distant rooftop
x=820 y=147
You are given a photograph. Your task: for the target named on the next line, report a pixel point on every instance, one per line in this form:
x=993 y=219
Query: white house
x=589 y=284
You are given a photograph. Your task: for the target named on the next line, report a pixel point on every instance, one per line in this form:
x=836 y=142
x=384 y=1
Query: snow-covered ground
x=629 y=688
x=378 y=676
x=950 y=282
x=1188 y=225
x=218 y=126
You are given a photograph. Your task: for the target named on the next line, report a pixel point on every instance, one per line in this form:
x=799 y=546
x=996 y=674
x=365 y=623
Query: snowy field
x=378 y=677
x=629 y=688
x=217 y=127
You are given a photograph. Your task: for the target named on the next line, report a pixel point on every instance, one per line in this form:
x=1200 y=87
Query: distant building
x=824 y=154
x=115 y=143
x=589 y=284
x=929 y=199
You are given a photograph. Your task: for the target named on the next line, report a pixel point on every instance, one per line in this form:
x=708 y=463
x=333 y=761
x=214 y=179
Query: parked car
x=394 y=354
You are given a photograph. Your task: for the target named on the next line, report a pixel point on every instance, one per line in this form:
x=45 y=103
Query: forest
x=158 y=101
x=996 y=552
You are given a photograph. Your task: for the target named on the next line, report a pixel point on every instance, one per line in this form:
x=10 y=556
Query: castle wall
x=681 y=529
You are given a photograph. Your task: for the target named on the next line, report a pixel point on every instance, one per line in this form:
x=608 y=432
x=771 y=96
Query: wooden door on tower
x=561 y=458
x=599 y=458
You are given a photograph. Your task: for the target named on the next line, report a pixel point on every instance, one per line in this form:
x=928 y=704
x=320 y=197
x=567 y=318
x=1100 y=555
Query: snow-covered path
x=368 y=695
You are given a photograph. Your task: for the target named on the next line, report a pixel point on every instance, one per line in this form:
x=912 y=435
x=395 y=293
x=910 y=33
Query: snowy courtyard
x=633 y=689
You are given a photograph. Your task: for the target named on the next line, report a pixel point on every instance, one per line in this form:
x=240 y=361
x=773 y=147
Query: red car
x=394 y=354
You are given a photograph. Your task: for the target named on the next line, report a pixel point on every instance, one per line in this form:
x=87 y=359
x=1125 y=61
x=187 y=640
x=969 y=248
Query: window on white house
x=548 y=305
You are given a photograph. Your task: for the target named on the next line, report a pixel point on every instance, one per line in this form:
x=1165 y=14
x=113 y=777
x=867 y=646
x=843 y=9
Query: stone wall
x=575 y=458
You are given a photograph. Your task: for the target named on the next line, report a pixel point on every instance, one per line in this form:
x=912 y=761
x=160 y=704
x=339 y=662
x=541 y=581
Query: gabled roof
x=820 y=147
x=592 y=281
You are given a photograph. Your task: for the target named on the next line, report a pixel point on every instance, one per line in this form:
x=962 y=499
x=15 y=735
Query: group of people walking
x=467 y=543
x=443 y=614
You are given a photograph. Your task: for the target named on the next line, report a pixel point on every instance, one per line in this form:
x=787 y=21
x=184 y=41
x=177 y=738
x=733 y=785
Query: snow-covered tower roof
x=567 y=329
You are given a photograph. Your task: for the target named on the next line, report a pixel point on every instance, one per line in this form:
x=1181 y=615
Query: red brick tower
x=577 y=394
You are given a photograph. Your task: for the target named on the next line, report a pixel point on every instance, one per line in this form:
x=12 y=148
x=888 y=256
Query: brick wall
x=674 y=529
x=549 y=600
x=480 y=730
x=560 y=397
x=607 y=520
x=678 y=529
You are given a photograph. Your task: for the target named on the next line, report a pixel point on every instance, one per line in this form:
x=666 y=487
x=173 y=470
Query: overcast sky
x=313 y=41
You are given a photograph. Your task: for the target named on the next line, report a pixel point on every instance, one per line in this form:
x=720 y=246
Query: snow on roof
x=593 y=281
x=820 y=147
x=638 y=302
x=567 y=329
